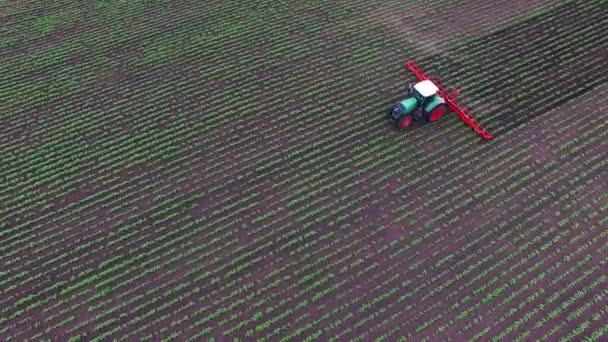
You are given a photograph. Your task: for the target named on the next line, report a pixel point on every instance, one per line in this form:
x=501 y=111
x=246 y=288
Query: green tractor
x=425 y=101
x=422 y=103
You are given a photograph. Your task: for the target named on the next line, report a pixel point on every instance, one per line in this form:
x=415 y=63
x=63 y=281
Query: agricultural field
x=225 y=170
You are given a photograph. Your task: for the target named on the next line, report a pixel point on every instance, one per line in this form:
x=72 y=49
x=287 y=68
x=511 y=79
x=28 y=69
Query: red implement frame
x=449 y=100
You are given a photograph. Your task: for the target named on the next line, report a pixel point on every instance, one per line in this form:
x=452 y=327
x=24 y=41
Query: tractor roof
x=426 y=88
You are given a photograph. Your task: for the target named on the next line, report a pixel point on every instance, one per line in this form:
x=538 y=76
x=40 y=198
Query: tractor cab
x=426 y=88
x=424 y=91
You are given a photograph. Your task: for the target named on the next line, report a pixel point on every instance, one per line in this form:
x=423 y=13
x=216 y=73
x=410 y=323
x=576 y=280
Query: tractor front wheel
x=405 y=121
x=436 y=113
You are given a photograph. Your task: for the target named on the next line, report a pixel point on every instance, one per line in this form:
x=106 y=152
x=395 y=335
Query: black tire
x=436 y=112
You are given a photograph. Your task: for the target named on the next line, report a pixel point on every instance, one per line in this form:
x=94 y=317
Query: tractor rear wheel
x=436 y=113
x=405 y=121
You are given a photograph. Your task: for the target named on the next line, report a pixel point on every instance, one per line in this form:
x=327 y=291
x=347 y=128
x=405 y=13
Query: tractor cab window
x=428 y=100
x=424 y=101
x=416 y=94
x=409 y=90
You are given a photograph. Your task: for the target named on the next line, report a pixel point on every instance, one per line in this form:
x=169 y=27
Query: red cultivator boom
x=449 y=100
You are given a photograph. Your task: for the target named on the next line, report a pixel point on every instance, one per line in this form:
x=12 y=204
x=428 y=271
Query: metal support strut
x=449 y=99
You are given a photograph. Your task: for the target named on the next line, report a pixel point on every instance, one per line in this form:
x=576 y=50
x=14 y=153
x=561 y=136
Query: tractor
x=426 y=101
x=421 y=103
